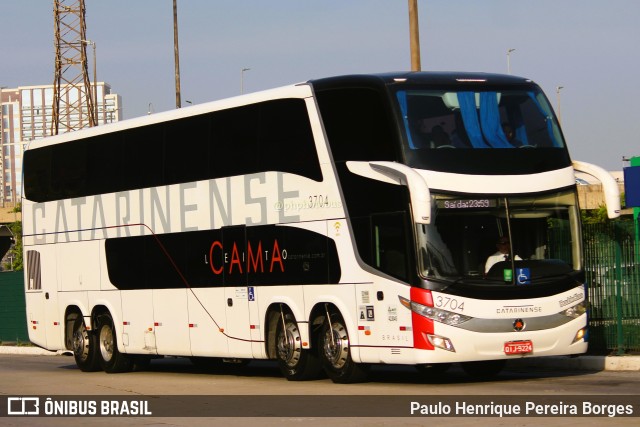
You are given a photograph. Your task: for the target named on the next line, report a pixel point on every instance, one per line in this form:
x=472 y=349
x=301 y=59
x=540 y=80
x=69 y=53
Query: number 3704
x=449 y=303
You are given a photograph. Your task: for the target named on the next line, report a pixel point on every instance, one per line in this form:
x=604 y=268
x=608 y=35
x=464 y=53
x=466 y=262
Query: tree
x=598 y=216
x=16 y=250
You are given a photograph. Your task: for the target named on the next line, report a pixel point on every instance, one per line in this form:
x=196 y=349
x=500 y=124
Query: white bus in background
x=328 y=225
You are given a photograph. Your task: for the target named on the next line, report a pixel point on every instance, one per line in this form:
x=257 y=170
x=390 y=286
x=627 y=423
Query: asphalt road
x=176 y=383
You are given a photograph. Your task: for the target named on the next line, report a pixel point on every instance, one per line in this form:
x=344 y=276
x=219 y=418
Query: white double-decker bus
x=328 y=225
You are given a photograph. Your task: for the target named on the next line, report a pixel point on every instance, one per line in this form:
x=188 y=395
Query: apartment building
x=27 y=114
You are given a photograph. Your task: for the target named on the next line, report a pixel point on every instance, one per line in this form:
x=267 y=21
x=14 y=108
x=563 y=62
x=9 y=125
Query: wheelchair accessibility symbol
x=523 y=276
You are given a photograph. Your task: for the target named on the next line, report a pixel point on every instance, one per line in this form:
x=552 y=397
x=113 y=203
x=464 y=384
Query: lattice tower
x=73 y=103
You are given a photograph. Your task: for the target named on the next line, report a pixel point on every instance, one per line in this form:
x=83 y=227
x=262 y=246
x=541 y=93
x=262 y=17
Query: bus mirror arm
x=609 y=186
x=399 y=174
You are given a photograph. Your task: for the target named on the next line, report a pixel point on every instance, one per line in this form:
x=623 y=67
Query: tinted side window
x=37 y=177
x=358 y=125
x=104 y=163
x=186 y=145
x=269 y=136
x=69 y=174
x=142 y=157
x=286 y=140
x=234 y=141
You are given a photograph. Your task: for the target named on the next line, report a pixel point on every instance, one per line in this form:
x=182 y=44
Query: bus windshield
x=519 y=239
x=436 y=121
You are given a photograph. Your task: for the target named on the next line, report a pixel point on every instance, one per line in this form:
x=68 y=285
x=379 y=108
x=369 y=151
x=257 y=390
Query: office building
x=27 y=114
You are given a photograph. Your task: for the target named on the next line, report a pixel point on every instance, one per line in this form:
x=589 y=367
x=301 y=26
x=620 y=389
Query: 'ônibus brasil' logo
x=254 y=259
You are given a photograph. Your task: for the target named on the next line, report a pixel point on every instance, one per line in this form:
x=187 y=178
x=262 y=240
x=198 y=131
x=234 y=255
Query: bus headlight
x=580 y=335
x=436 y=314
x=575 y=311
x=441 y=342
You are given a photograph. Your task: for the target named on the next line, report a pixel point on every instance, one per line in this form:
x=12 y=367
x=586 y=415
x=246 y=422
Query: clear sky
x=589 y=47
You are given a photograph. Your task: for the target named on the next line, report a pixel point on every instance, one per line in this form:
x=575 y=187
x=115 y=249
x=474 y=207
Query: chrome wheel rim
x=106 y=343
x=289 y=345
x=81 y=343
x=336 y=350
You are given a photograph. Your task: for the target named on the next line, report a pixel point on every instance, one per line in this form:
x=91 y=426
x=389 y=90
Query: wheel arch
x=272 y=317
x=71 y=314
x=99 y=310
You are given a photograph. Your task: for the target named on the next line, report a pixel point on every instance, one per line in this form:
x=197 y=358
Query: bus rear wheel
x=295 y=362
x=85 y=347
x=111 y=360
x=335 y=352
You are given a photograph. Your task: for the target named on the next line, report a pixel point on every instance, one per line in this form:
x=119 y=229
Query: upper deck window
x=435 y=121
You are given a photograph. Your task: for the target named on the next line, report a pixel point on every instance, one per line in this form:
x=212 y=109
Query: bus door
x=378 y=307
x=236 y=292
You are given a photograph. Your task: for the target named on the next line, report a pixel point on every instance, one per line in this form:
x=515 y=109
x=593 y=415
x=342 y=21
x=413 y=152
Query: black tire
x=85 y=347
x=335 y=353
x=484 y=369
x=111 y=360
x=141 y=363
x=295 y=362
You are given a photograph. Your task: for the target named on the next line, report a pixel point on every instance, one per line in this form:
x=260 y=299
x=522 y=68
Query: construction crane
x=73 y=99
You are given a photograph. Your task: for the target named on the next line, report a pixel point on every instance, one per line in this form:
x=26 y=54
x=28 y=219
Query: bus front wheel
x=335 y=352
x=111 y=359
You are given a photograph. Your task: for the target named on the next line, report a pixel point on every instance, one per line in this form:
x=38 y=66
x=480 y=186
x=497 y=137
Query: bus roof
x=420 y=77
x=371 y=80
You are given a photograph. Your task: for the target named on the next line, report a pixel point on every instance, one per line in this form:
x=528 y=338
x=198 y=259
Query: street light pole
x=558 y=89
x=176 y=53
x=242 y=79
x=414 y=36
x=509 y=60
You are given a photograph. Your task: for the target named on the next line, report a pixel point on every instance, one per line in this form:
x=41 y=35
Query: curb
x=581 y=363
x=30 y=351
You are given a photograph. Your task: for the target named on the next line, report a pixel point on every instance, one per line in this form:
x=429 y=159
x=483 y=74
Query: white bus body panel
x=489 y=346
x=477 y=345
x=499 y=184
x=207 y=322
x=171 y=321
x=138 y=334
x=43 y=314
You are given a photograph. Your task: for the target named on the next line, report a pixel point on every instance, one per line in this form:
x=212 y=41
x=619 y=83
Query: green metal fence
x=13 y=319
x=613 y=275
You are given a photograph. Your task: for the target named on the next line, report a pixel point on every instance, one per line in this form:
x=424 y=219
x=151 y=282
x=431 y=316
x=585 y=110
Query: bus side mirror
x=609 y=186
x=399 y=174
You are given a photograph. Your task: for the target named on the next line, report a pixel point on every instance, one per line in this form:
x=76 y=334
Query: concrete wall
x=7 y=217
x=591 y=196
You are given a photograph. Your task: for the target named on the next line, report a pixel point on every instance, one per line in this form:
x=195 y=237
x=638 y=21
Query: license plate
x=518 y=347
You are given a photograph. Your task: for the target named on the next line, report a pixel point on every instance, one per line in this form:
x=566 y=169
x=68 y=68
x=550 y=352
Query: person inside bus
x=425 y=137
x=502 y=254
x=511 y=135
x=421 y=136
x=459 y=137
x=439 y=138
